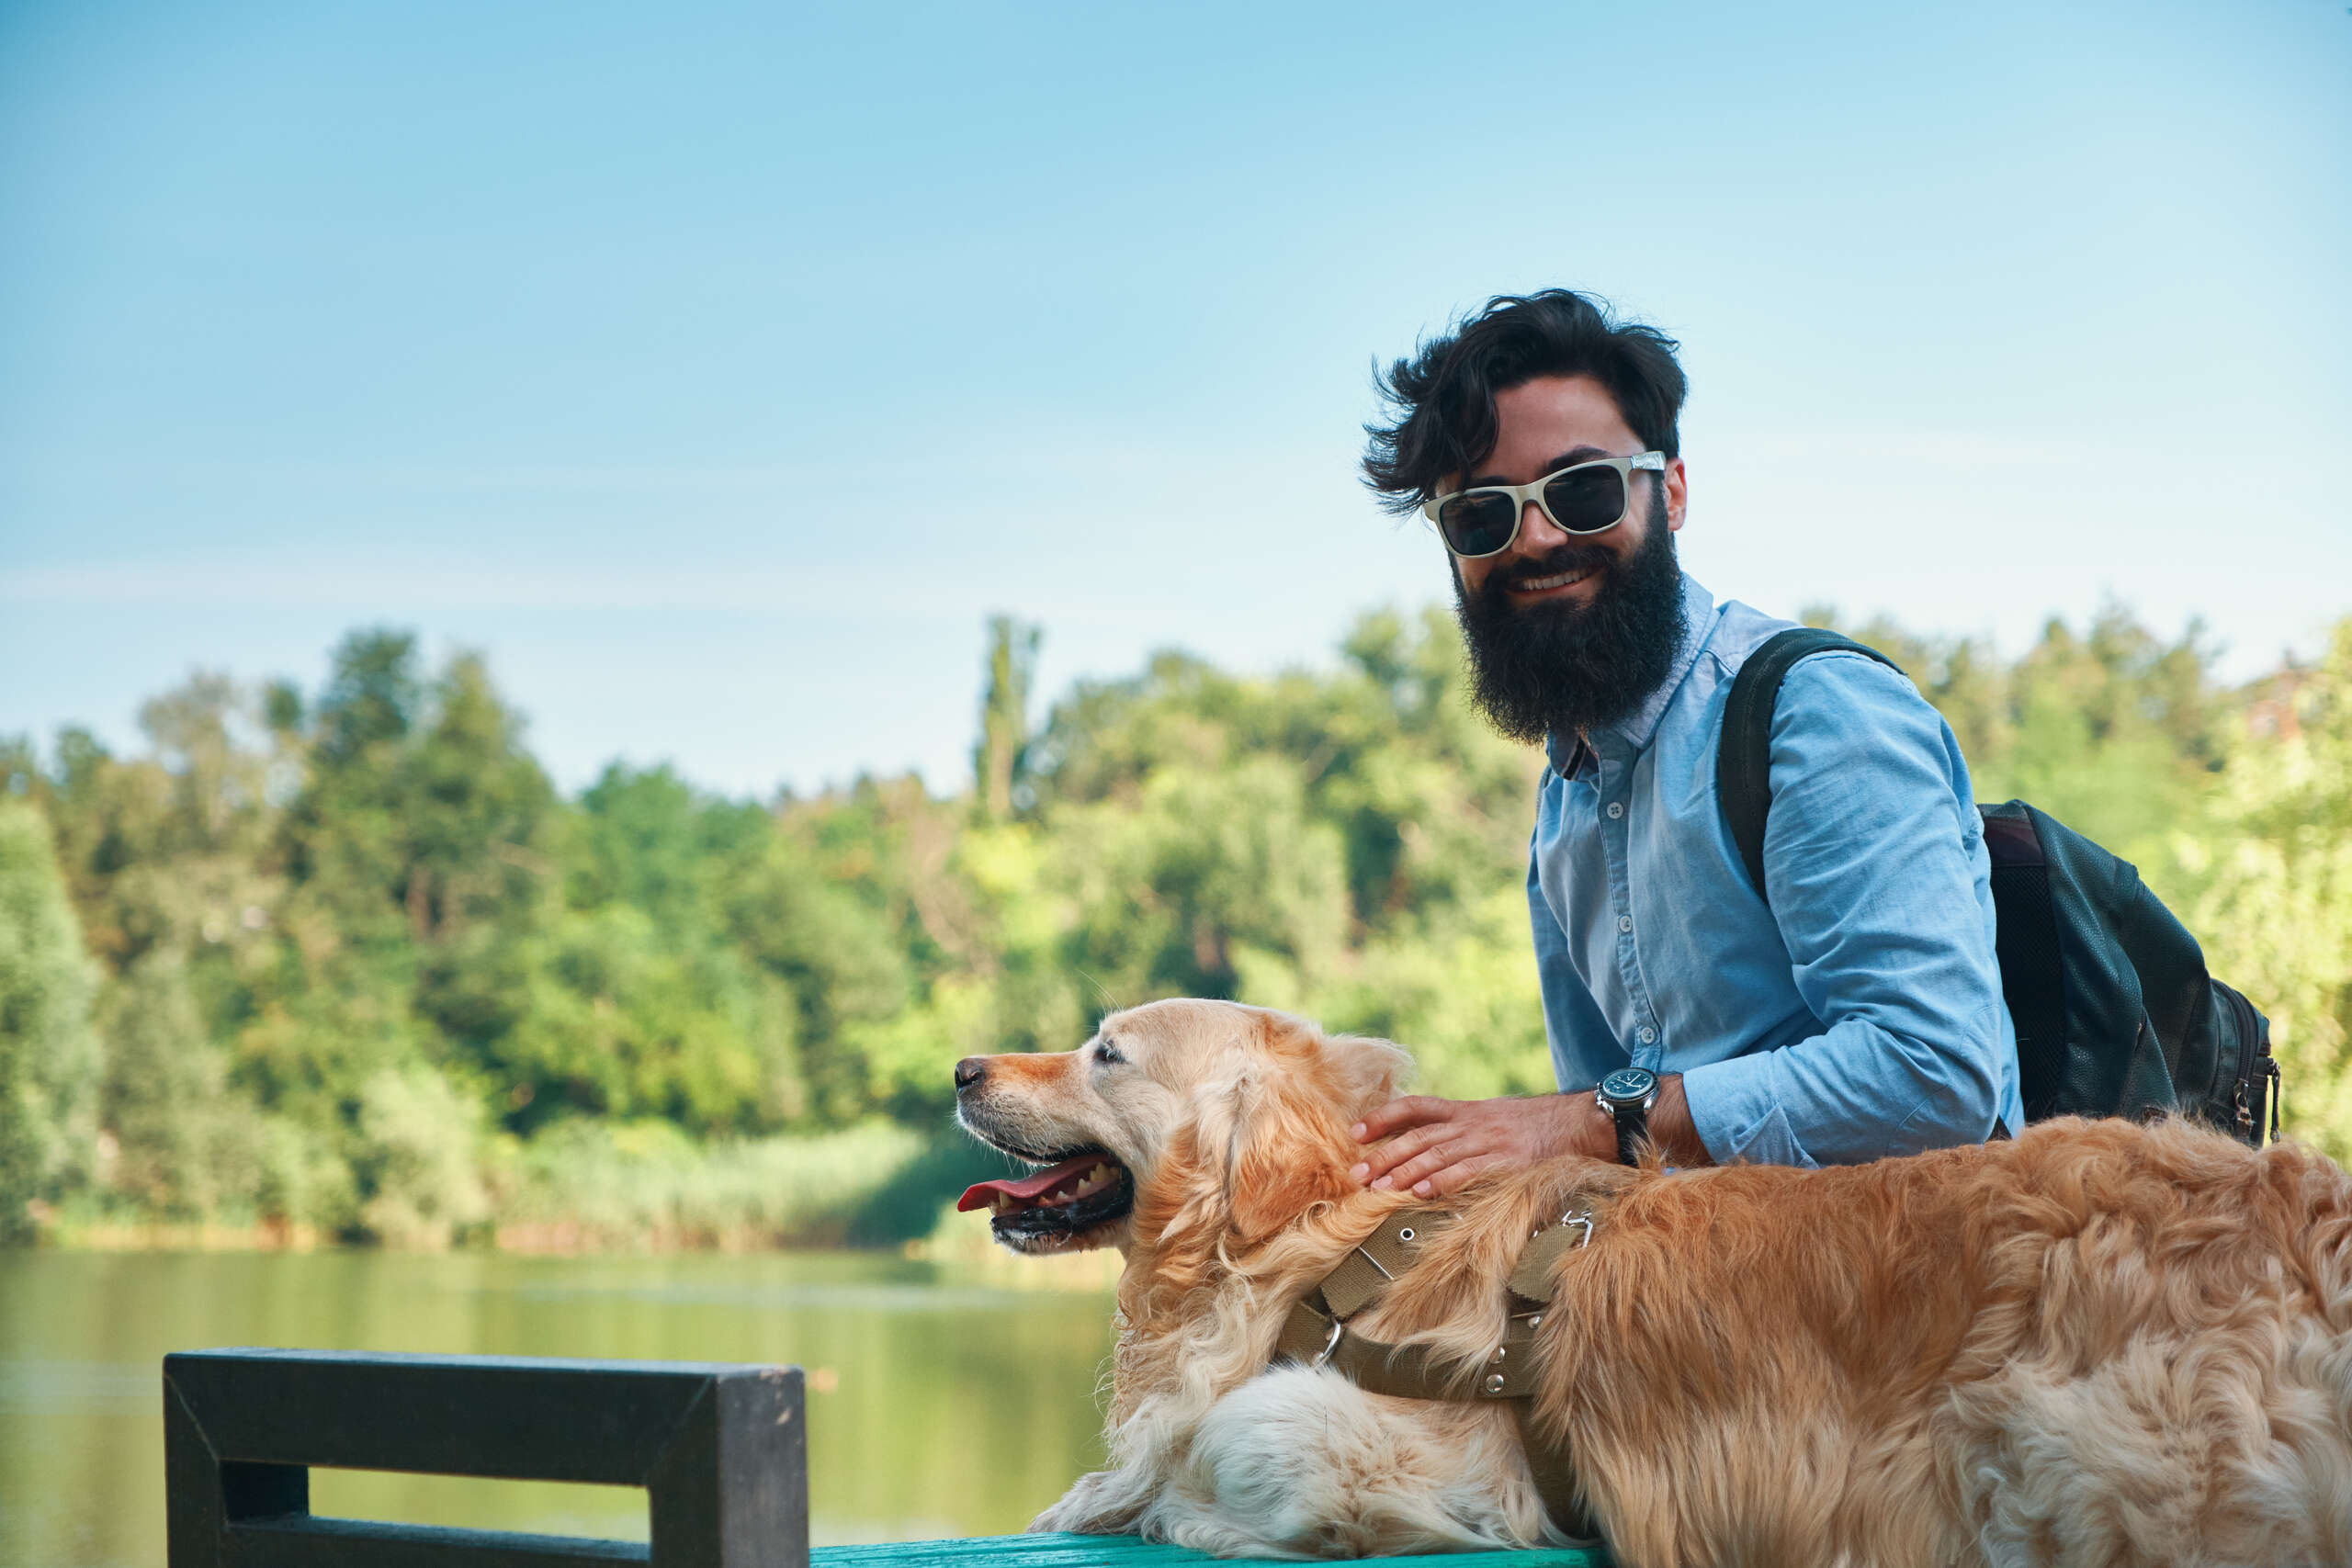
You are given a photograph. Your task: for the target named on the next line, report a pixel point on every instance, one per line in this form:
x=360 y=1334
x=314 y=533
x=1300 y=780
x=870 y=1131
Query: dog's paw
x=1093 y=1506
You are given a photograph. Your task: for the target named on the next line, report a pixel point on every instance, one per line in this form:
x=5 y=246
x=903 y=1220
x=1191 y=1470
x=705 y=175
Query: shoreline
x=954 y=1243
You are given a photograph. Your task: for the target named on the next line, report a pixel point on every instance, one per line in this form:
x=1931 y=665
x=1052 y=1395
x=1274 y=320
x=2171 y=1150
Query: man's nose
x=969 y=1071
x=1538 y=535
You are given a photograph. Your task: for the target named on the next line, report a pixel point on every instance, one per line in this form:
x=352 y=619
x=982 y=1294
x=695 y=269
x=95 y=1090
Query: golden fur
x=2099 y=1342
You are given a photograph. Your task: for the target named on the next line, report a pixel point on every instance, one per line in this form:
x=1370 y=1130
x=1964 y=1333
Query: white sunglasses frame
x=1646 y=462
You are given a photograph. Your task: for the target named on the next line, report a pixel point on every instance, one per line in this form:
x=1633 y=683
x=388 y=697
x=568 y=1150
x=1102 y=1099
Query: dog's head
x=1199 y=1112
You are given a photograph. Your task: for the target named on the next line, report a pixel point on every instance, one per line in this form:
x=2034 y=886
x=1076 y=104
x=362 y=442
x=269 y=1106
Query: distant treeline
x=346 y=964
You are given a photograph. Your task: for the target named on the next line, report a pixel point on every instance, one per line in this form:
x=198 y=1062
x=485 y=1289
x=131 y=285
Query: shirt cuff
x=1735 y=1110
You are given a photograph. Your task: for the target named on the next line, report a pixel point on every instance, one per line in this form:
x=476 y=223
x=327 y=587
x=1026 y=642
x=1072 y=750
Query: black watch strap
x=1632 y=1121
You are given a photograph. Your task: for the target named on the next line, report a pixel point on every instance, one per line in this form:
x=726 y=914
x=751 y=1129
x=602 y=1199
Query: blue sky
x=718 y=370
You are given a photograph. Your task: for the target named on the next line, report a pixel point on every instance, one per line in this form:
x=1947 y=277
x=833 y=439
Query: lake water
x=942 y=1400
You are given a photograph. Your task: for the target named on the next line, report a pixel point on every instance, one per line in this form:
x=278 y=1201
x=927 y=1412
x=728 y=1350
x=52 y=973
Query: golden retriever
x=2099 y=1342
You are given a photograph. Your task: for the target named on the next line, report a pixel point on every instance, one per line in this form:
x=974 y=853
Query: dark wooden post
x=721 y=1449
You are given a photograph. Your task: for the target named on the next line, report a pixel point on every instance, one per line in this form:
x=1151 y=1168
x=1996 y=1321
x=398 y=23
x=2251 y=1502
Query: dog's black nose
x=970 y=1070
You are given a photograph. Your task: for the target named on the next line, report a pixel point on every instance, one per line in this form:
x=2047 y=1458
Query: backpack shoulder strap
x=1744 y=751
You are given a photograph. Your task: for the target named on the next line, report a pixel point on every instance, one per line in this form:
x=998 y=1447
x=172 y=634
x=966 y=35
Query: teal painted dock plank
x=1127 y=1551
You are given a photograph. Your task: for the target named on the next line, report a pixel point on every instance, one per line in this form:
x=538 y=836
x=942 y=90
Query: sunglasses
x=1583 y=498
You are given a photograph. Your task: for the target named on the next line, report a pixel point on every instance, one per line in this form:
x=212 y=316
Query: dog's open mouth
x=1059 y=1203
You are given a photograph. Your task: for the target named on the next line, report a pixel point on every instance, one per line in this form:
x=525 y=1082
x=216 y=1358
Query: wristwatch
x=1627 y=1094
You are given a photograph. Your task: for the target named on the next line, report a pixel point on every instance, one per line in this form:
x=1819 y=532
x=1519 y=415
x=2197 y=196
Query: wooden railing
x=721 y=1451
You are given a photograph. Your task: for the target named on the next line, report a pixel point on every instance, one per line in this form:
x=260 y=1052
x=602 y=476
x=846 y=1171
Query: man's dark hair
x=1444 y=396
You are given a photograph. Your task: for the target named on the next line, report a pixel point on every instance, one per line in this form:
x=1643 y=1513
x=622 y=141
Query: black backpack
x=2115 y=1014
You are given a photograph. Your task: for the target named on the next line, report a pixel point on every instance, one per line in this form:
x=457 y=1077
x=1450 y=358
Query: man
x=1860 y=1014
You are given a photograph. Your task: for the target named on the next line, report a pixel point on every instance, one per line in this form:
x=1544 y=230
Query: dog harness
x=1316 y=1335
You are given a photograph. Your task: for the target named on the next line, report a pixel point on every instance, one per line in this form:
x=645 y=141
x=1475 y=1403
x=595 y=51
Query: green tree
x=838 y=943
x=184 y=1147
x=418 y=859
x=417 y=1159
x=1000 y=762
x=49 y=1056
x=2269 y=867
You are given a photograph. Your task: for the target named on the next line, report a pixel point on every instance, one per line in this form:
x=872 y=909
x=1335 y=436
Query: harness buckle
x=1329 y=1345
x=1582 y=1218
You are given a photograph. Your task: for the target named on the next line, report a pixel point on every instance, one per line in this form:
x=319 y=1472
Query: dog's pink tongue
x=1028 y=1188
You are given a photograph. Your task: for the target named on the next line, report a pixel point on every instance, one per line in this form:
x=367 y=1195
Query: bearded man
x=1855 y=1015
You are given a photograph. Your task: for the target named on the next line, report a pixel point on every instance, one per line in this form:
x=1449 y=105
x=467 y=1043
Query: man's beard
x=1557 y=668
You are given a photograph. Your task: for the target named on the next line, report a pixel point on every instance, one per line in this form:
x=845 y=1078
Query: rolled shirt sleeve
x=1878 y=877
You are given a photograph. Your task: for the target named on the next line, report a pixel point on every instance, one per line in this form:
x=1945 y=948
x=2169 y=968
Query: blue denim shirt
x=1861 y=1015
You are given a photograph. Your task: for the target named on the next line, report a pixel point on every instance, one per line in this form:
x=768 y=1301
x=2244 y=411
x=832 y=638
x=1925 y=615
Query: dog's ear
x=1268 y=1140
x=1286 y=1117
x=1278 y=1160
x=1350 y=1074
x=1368 y=1073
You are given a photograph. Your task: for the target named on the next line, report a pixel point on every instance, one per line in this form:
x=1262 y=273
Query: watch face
x=1628 y=1083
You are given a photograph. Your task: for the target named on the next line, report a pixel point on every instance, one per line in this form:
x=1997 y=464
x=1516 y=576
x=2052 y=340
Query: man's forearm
x=1670 y=1126
x=1431 y=1146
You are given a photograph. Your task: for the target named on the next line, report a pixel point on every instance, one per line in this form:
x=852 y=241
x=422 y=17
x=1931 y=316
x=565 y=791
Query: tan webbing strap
x=1531 y=1276
x=1307 y=1332
x=1355 y=1284
x=1316 y=1335
x=1364 y=1275
x=1509 y=1378
x=1362 y=1278
x=1408 y=1372
x=1555 y=1475
x=1401 y=1236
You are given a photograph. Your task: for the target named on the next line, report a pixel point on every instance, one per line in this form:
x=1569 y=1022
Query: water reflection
x=938 y=1405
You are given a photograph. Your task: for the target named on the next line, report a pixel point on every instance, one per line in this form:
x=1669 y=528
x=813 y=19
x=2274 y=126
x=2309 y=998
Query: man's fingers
x=1409 y=1112
x=1415 y=1173
x=1382 y=1159
x=1455 y=1177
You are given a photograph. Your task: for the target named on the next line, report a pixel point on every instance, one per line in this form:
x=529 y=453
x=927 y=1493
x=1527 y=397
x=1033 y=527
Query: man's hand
x=1434 y=1146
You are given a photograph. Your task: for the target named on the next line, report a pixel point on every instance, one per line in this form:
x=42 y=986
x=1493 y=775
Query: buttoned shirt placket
x=1609 y=763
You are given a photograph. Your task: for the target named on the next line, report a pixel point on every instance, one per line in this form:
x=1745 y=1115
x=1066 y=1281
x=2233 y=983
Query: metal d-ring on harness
x=1315 y=1334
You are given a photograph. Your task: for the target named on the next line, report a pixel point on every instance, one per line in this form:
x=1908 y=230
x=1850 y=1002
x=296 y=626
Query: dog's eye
x=1106 y=1052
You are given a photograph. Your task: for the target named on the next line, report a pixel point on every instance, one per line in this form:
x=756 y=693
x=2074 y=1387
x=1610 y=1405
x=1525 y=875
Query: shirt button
x=1647 y=1034
x=1616 y=808
x=1624 y=922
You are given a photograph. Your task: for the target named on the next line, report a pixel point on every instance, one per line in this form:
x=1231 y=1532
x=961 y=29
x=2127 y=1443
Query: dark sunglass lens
x=1585 y=501
x=1477 y=525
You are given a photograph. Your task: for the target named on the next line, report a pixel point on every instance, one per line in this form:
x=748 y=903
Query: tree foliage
x=49 y=1060
x=347 y=959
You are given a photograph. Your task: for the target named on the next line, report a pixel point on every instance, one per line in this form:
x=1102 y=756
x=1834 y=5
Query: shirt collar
x=1636 y=730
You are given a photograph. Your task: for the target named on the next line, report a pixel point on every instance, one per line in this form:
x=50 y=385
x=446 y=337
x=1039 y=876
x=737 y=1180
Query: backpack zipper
x=2276 y=1091
x=2253 y=1062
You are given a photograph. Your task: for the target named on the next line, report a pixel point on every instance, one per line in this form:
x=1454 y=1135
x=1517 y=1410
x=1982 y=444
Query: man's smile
x=1555 y=582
